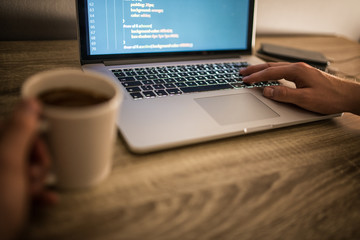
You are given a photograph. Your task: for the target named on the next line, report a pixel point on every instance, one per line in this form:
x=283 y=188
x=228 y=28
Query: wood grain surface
x=300 y=182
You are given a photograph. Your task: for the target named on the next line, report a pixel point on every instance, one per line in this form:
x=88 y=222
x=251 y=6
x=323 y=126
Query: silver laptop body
x=122 y=36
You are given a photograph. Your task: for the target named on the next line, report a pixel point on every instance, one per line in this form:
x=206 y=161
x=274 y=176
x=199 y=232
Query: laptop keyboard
x=153 y=82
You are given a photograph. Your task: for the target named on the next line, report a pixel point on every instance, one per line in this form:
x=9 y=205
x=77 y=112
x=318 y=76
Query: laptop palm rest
x=236 y=108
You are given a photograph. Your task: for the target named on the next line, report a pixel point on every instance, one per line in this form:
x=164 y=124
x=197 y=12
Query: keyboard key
x=142 y=73
x=151 y=71
x=140 y=78
x=169 y=85
x=162 y=70
x=180 y=79
x=180 y=84
x=201 y=83
x=211 y=82
x=173 y=75
x=147 y=82
x=158 y=86
x=247 y=84
x=210 y=77
x=133 y=89
x=231 y=80
x=183 y=74
x=274 y=83
x=162 y=76
x=161 y=93
x=190 y=78
x=126 y=79
x=159 y=81
x=131 y=84
x=131 y=73
x=191 y=84
x=221 y=81
x=238 y=77
x=147 y=88
x=151 y=77
x=238 y=85
x=149 y=94
x=170 y=80
x=173 y=91
x=119 y=74
x=259 y=84
x=200 y=78
x=206 y=88
x=193 y=74
x=137 y=95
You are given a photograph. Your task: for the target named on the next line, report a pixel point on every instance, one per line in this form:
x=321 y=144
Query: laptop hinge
x=168 y=59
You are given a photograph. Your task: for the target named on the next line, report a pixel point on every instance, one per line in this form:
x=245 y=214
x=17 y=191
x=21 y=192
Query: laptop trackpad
x=236 y=108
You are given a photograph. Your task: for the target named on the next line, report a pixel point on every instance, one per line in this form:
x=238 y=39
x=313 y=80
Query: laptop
x=177 y=64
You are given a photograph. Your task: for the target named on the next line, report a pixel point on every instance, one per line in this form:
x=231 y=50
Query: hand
x=24 y=164
x=315 y=90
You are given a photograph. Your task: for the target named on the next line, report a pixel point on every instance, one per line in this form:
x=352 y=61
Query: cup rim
x=72 y=113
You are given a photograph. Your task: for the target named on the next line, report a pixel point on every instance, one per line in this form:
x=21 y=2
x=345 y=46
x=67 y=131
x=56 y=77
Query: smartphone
x=278 y=53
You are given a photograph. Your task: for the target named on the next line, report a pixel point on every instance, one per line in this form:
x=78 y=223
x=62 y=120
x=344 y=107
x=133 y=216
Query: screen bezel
x=84 y=43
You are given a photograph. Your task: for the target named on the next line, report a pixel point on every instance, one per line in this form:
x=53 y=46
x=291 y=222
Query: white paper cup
x=81 y=140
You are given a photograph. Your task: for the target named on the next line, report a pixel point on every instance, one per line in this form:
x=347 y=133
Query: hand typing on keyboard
x=315 y=90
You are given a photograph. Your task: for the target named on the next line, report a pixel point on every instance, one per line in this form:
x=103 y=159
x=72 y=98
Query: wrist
x=352 y=97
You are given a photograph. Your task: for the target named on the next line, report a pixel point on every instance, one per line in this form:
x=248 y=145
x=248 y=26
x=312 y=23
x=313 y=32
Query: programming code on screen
x=145 y=26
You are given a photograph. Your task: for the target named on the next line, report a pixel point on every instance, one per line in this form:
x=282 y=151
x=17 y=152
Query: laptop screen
x=110 y=28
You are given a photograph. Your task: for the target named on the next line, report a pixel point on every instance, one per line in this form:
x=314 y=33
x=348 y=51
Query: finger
x=40 y=155
x=285 y=94
x=20 y=130
x=46 y=198
x=291 y=72
x=39 y=166
x=22 y=125
x=259 y=67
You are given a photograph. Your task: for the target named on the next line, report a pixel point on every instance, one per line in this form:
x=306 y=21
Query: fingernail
x=269 y=92
x=245 y=78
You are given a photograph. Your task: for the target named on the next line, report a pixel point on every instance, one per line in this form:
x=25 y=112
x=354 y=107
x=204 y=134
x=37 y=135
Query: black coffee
x=69 y=97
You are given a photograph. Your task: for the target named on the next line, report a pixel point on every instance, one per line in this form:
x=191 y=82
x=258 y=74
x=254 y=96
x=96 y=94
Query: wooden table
x=300 y=182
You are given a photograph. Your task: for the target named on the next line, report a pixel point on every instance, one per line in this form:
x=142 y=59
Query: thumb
x=283 y=94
